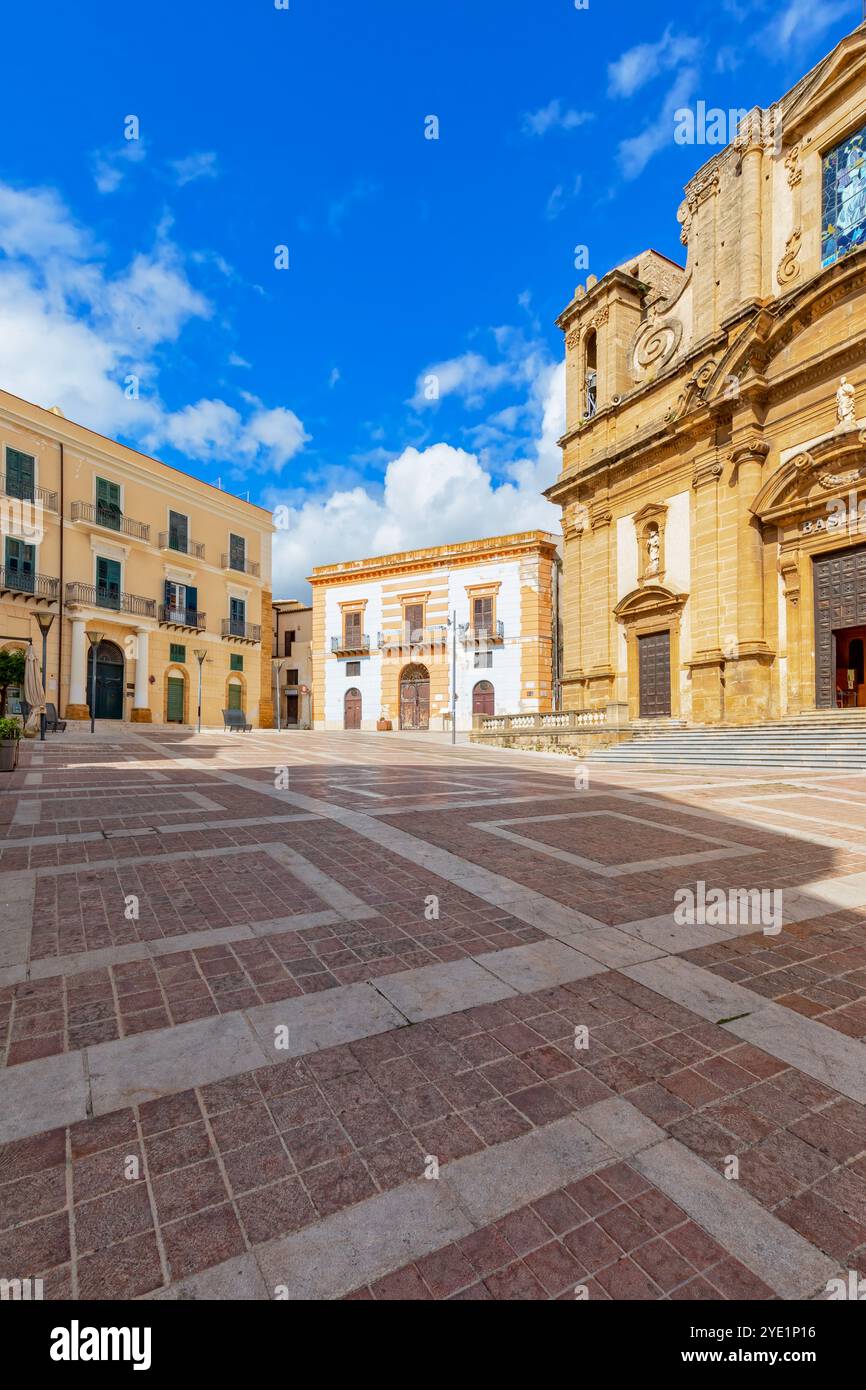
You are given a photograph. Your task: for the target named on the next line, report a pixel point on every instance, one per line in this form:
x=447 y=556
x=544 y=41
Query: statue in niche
x=845 y=403
x=653 y=552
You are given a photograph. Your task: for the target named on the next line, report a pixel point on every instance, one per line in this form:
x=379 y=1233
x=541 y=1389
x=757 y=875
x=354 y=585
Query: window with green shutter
x=236 y=663
x=108 y=511
x=177 y=652
x=20 y=474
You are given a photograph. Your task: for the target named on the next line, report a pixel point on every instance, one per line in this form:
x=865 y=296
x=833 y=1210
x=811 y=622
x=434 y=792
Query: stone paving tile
x=275 y=1149
x=610 y=1236
x=40 y=1018
x=817 y=968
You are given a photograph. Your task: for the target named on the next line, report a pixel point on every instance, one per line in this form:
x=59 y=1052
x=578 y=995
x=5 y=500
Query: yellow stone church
x=713 y=487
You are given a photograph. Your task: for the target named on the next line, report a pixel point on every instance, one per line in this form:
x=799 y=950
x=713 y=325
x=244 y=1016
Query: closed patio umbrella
x=33 y=692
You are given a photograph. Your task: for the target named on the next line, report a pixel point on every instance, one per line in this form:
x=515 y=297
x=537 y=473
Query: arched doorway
x=483 y=698
x=415 y=697
x=109 y=681
x=352 y=709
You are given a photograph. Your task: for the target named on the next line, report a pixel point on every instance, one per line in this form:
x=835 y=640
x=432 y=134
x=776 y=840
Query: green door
x=234 y=697
x=20 y=566
x=107 y=583
x=174 y=714
x=108 y=503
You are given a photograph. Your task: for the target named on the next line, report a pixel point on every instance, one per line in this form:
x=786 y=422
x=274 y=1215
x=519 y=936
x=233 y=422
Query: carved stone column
x=748 y=680
x=751 y=146
x=76 y=706
x=707 y=660
x=789 y=567
x=141 y=702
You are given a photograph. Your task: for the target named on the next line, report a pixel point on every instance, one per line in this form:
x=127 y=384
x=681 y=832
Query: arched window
x=590 y=375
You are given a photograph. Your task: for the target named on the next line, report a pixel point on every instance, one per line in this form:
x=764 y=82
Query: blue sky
x=409 y=258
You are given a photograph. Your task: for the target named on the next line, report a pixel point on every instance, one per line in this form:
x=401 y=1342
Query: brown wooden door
x=292 y=708
x=415 y=698
x=483 y=698
x=654 y=662
x=352 y=710
x=840 y=601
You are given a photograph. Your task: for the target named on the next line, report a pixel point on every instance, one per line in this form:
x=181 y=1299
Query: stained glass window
x=843 y=224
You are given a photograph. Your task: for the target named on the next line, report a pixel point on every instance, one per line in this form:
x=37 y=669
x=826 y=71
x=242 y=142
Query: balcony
x=180 y=545
x=241 y=631
x=188 y=618
x=242 y=566
x=351 y=644
x=48 y=499
x=403 y=641
x=110 y=519
x=90 y=596
x=39 y=587
x=481 y=636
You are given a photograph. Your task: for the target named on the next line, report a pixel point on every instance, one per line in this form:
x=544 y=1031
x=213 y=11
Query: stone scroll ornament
x=655 y=345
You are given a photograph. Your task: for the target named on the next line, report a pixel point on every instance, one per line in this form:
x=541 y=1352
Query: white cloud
x=203 y=165
x=800 y=23
x=110 y=166
x=71 y=333
x=235 y=360
x=472 y=377
x=553 y=117
x=561 y=196
x=430 y=496
x=334 y=377
x=639 y=65
x=635 y=153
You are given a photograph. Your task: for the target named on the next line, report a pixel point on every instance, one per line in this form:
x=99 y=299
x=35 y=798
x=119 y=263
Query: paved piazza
x=333 y=1016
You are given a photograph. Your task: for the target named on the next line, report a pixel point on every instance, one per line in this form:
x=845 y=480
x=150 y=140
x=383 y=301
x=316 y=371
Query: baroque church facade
x=713 y=487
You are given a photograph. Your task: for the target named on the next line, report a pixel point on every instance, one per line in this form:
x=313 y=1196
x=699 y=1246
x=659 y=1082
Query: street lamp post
x=94 y=638
x=44 y=620
x=201 y=657
x=277 y=668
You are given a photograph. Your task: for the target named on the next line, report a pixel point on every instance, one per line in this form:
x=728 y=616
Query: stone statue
x=653 y=550
x=845 y=403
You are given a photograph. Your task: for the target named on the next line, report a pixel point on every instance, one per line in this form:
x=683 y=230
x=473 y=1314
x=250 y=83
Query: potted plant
x=383 y=725
x=10 y=733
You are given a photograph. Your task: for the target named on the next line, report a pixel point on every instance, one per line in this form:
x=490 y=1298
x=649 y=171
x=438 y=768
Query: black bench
x=52 y=723
x=236 y=719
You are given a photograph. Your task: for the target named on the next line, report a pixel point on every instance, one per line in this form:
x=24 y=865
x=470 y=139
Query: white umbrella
x=33 y=692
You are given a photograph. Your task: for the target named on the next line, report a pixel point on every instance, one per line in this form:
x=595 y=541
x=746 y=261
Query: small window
x=237 y=553
x=292 y=675
x=288 y=639
x=236 y=662
x=483 y=661
x=177 y=652
x=20 y=475
x=353 y=668
x=178 y=532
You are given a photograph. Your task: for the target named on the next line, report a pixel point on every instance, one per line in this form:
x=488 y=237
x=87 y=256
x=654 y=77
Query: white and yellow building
x=385 y=648
x=159 y=564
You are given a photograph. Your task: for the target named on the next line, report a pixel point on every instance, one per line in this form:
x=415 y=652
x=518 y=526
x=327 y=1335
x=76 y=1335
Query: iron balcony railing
x=482 y=636
x=243 y=566
x=182 y=617
x=435 y=636
x=359 y=644
x=30 y=585
x=174 y=540
x=98 y=514
x=98 y=597
x=246 y=632
x=29 y=493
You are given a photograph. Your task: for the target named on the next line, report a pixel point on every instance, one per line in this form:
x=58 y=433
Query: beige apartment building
x=156 y=563
x=392 y=635
x=293 y=662
x=713 y=484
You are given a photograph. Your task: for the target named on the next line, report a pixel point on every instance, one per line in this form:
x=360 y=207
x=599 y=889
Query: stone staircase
x=816 y=739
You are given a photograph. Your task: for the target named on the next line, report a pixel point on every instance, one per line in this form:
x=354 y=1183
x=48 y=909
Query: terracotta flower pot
x=383 y=726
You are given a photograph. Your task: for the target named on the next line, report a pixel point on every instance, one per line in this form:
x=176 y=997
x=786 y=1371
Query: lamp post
x=44 y=620
x=94 y=638
x=277 y=667
x=201 y=657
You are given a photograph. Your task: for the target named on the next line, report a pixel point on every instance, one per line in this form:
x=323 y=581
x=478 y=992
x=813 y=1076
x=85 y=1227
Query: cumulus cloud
x=72 y=333
x=429 y=496
x=111 y=165
x=801 y=22
x=640 y=64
